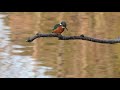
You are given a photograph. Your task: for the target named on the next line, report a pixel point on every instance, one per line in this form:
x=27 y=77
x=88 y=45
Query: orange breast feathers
x=59 y=30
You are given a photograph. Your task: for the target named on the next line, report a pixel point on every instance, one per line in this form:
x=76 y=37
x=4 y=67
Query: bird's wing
x=55 y=26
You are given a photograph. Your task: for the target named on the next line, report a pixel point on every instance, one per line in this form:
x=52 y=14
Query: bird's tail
x=52 y=31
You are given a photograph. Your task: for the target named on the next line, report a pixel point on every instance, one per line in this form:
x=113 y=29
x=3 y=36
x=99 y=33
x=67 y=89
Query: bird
x=59 y=28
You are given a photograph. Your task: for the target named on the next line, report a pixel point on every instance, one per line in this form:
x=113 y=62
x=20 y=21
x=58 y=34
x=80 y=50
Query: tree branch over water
x=81 y=37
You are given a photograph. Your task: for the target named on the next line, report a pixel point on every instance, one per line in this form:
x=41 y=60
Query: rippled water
x=50 y=57
x=12 y=63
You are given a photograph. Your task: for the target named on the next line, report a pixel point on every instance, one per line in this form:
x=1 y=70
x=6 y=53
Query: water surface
x=50 y=57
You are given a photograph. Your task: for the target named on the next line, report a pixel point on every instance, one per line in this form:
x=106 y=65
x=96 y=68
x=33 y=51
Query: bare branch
x=81 y=37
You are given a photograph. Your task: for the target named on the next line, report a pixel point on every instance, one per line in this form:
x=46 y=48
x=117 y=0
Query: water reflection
x=50 y=57
x=13 y=64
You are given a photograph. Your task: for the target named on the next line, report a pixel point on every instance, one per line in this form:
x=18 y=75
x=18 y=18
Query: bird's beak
x=66 y=28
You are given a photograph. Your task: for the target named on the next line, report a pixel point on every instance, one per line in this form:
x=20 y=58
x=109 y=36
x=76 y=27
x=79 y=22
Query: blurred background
x=53 y=58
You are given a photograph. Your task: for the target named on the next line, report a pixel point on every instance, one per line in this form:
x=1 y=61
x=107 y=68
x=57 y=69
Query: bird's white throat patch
x=63 y=27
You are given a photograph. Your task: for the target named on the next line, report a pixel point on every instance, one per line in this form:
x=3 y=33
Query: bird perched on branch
x=59 y=28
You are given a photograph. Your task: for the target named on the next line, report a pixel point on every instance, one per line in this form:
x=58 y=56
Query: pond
x=53 y=58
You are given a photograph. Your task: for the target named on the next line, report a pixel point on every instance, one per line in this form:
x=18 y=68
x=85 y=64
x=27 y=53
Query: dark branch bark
x=81 y=37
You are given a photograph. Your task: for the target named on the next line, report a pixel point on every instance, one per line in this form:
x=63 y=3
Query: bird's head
x=63 y=24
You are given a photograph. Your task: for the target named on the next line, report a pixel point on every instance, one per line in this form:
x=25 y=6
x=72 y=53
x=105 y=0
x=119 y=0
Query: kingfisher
x=59 y=28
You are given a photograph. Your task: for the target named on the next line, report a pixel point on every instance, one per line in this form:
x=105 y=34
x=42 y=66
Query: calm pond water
x=50 y=57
